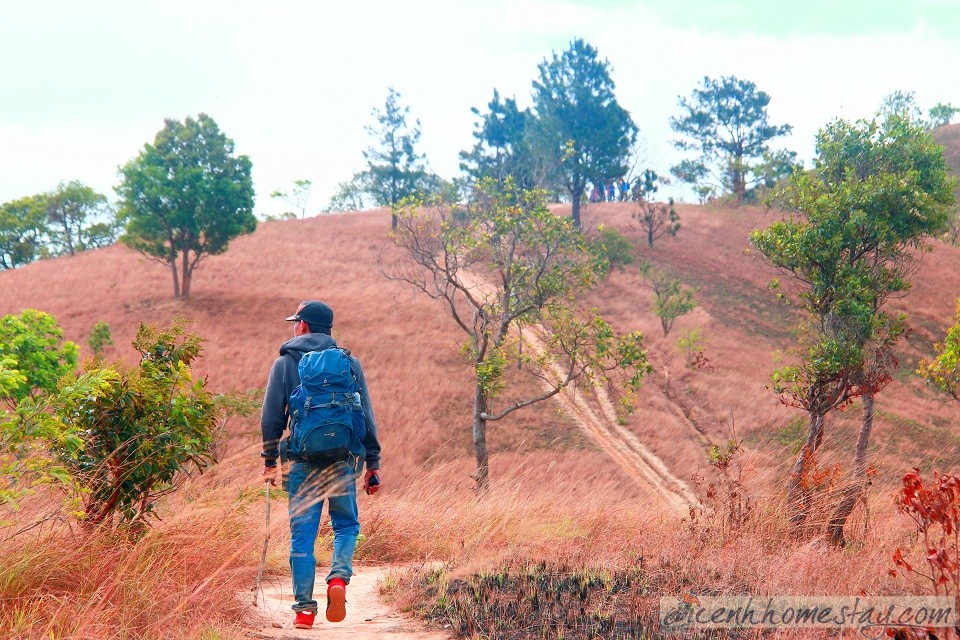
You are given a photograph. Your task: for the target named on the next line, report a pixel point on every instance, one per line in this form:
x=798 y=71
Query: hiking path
x=368 y=616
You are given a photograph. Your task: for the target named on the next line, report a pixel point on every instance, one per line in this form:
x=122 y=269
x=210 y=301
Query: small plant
x=725 y=505
x=671 y=298
x=735 y=500
x=691 y=343
x=561 y=601
x=615 y=247
x=935 y=511
x=656 y=219
x=100 y=337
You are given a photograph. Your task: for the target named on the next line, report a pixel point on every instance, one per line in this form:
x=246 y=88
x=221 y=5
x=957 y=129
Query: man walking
x=313 y=477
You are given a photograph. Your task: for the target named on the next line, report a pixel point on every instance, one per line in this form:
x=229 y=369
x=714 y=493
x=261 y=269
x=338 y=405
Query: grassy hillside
x=556 y=495
x=420 y=385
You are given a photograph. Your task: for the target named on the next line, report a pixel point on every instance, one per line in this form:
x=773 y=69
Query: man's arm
x=273 y=416
x=370 y=441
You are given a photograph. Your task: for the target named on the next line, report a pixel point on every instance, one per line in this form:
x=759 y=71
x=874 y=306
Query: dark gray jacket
x=284 y=378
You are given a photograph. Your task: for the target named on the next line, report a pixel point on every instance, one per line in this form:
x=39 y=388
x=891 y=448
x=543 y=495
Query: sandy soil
x=368 y=616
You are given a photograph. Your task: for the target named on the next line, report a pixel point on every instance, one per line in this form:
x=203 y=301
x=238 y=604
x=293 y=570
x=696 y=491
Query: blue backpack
x=327 y=424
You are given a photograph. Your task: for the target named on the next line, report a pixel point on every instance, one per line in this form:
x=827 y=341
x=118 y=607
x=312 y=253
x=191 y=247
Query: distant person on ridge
x=319 y=390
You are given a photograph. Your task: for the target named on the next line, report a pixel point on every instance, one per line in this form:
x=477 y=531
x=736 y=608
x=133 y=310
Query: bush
x=33 y=341
x=691 y=344
x=149 y=430
x=934 y=508
x=614 y=247
x=100 y=337
x=33 y=367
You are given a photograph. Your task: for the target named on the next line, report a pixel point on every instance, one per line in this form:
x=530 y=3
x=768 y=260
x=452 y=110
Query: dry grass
x=177 y=581
x=555 y=498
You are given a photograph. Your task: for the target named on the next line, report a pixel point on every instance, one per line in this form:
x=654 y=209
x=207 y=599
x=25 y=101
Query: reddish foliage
x=935 y=508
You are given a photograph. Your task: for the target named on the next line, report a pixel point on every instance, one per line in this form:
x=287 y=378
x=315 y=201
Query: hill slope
x=562 y=492
x=421 y=387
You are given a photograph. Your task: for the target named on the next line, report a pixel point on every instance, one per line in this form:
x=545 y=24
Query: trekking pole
x=263 y=552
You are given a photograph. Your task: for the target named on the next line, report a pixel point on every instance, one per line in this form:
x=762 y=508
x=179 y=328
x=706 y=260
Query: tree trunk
x=480 y=441
x=187 y=276
x=739 y=187
x=69 y=239
x=798 y=495
x=393 y=221
x=738 y=178
x=176 y=277
x=853 y=492
x=575 y=195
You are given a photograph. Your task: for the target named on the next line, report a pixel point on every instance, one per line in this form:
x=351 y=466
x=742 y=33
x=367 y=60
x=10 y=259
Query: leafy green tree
x=726 y=123
x=78 y=218
x=297 y=196
x=670 y=298
x=22 y=229
x=503 y=145
x=904 y=104
x=146 y=432
x=656 y=218
x=508 y=271
x=877 y=192
x=34 y=342
x=395 y=170
x=350 y=195
x=100 y=337
x=579 y=122
x=941 y=114
x=901 y=103
x=773 y=170
x=185 y=197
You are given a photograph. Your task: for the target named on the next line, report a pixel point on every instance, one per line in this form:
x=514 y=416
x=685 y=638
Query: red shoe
x=304 y=619
x=336 y=600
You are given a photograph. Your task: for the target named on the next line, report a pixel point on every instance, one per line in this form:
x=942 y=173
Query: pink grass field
x=555 y=496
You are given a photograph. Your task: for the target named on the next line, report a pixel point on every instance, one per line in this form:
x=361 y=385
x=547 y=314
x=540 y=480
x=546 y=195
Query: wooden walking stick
x=263 y=552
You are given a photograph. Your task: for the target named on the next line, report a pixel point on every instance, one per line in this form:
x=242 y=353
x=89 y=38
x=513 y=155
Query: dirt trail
x=367 y=615
x=622 y=445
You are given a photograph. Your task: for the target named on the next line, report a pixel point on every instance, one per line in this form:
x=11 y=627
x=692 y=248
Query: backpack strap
x=349 y=400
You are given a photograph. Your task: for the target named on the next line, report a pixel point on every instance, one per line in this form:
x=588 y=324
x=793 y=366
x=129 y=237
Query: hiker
x=332 y=433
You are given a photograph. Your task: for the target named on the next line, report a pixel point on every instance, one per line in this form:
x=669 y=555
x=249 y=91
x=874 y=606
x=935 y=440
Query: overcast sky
x=85 y=84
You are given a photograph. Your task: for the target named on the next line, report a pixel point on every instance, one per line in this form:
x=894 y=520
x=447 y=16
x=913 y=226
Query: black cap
x=316 y=314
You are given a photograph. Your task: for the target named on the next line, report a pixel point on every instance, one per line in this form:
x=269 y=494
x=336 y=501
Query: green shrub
x=614 y=247
x=33 y=341
x=670 y=298
x=100 y=337
x=152 y=427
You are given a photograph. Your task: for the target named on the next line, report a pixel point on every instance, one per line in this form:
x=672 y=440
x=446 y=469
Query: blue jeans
x=309 y=486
